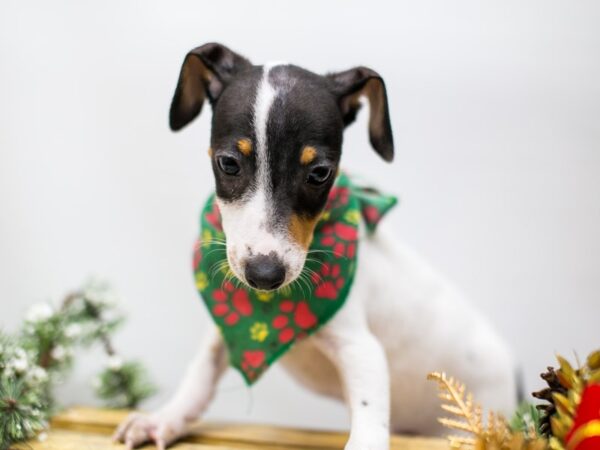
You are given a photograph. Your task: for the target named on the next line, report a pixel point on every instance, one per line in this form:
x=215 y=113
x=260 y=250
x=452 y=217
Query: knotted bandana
x=258 y=327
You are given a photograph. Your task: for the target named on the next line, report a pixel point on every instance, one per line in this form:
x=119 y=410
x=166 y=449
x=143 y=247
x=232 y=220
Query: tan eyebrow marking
x=308 y=155
x=210 y=152
x=244 y=146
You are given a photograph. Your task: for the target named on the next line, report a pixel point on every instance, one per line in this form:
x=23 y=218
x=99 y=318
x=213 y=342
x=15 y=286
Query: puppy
x=401 y=319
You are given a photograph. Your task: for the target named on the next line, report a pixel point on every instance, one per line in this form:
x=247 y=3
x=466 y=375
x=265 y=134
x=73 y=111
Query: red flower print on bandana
x=371 y=214
x=341 y=238
x=231 y=303
x=295 y=319
x=338 y=196
x=197 y=254
x=253 y=363
x=214 y=217
x=328 y=281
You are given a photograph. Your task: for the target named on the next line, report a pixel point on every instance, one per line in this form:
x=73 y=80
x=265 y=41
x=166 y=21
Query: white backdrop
x=496 y=114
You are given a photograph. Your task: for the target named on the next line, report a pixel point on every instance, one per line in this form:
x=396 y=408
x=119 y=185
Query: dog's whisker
x=226 y=278
x=309 y=271
x=310 y=260
x=217 y=267
x=214 y=250
x=213 y=242
x=230 y=276
x=309 y=277
x=298 y=281
x=314 y=251
x=214 y=266
x=295 y=284
x=313 y=274
x=237 y=281
x=313 y=259
x=302 y=279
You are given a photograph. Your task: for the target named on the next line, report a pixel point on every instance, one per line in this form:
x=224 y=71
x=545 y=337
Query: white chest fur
x=423 y=325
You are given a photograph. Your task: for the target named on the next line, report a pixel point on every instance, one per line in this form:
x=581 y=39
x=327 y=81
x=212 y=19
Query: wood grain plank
x=83 y=428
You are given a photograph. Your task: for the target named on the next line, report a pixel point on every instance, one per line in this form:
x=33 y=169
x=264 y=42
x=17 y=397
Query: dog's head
x=275 y=147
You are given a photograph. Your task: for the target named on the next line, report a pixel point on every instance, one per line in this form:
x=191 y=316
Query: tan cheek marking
x=244 y=146
x=308 y=155
x=210 y=152
x=301 y=229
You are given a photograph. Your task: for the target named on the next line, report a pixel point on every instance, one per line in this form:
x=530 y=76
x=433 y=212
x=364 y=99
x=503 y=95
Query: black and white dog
x=401 y=320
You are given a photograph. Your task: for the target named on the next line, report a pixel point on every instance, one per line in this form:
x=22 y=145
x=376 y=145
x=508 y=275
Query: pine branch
x=24 y=403
x=43 y=351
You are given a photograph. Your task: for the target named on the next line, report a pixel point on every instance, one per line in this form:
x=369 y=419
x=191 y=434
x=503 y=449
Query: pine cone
x=547 y=410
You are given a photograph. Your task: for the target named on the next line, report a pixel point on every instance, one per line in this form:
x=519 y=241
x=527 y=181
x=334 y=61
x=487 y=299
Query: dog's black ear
x=205 y=72
x=348 y=87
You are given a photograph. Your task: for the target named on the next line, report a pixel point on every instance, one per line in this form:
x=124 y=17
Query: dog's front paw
x=160 y=428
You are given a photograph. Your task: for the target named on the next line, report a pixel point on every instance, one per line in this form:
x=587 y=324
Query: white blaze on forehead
x=265 y=95
x=246 y=221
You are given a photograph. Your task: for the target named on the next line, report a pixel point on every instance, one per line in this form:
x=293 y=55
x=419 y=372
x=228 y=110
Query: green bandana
x=258 y=327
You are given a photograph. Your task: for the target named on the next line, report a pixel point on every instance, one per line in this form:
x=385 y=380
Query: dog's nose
x=265 y=272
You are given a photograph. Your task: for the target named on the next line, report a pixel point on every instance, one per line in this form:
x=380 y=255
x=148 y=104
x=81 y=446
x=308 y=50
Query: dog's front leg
x=362 y=366
x=191 y=399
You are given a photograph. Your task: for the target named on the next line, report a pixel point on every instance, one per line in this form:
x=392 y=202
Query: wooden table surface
x=87 y=428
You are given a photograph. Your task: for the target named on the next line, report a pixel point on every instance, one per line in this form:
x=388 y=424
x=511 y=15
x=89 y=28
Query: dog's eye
x=228 y=165
x=319 y=175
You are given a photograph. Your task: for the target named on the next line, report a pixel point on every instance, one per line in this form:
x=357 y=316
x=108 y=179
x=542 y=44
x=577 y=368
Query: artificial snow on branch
x=43 y=349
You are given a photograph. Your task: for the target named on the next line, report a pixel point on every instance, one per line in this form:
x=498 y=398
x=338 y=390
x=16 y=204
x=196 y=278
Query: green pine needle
x=124 y=386
x=22 y=412
x=526 y=420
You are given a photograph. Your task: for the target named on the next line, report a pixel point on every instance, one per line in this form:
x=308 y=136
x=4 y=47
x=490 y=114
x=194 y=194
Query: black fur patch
x=304 y=113
x=232 y=120
x=308 y=110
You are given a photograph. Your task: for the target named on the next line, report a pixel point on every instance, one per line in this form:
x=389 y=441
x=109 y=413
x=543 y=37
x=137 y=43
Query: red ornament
x=585 y=433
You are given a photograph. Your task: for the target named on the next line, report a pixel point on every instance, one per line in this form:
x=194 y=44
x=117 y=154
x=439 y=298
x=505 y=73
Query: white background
x=496 y=115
